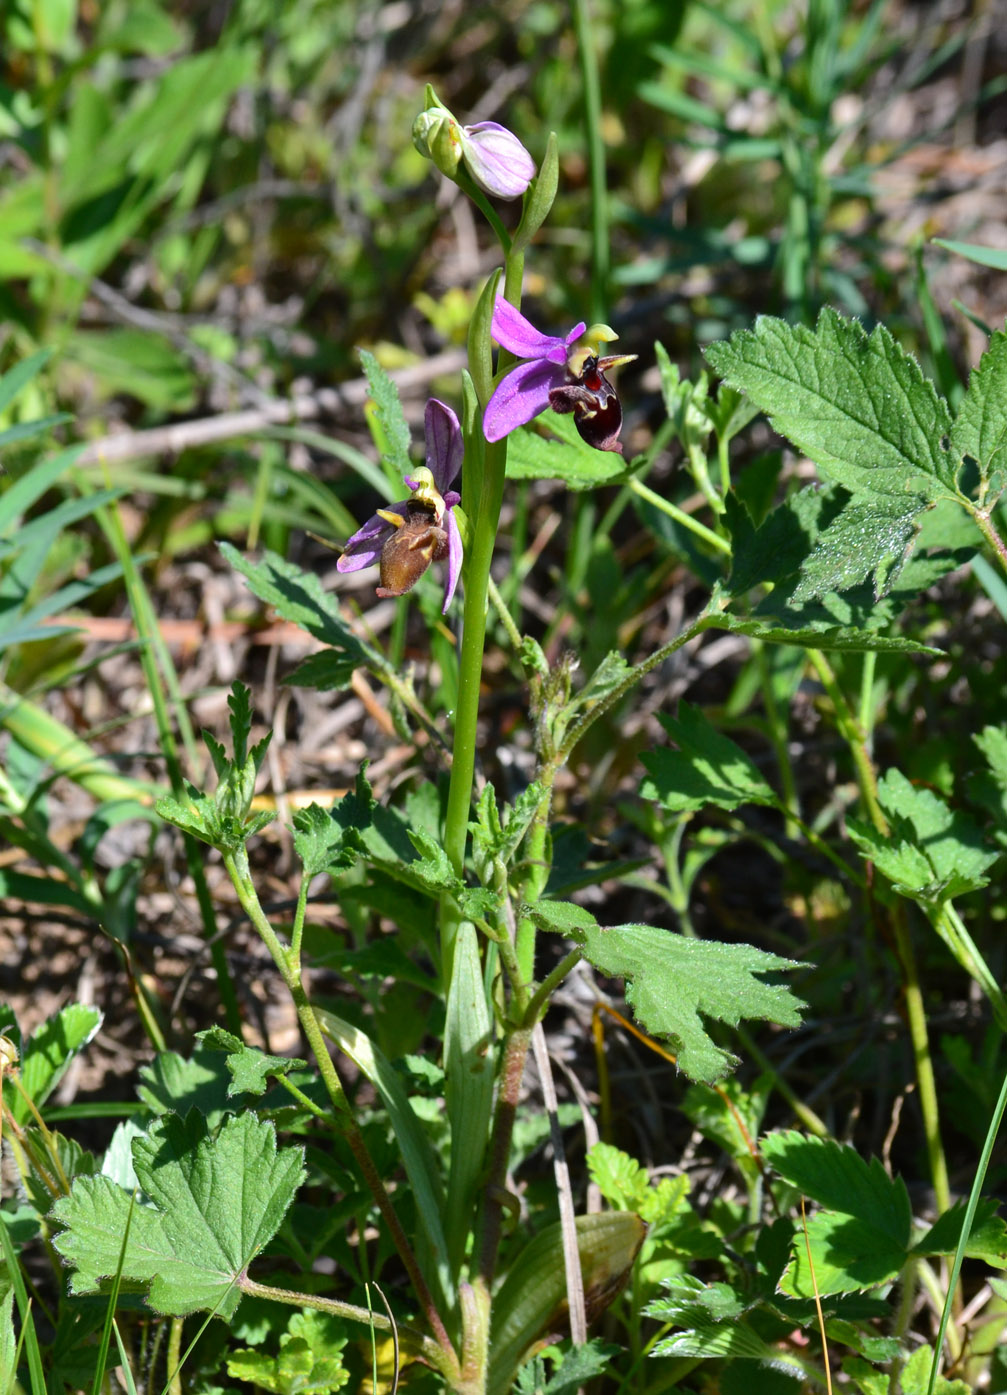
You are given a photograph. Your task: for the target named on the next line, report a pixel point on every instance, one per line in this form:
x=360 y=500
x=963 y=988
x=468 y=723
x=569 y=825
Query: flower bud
x=497 y=160
x=437 y=136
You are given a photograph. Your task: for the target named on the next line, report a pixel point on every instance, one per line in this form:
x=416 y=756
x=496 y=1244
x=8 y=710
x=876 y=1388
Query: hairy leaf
x=673 y=982
x=980 y=428
x=216 y=1202
x=857 y=404
x=707 y=768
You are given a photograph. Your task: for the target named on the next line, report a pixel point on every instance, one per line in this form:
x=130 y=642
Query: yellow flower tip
x=600 y=334
x=395 y=519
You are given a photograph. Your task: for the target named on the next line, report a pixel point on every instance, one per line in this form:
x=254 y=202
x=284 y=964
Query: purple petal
x=444 y=443
x=514 y=332
x=497 y=160
x=454 y=557
x=364 y=548
x=520 y=396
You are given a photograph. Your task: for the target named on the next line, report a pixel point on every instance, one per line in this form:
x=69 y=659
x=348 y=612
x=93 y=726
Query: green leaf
x=980 y=428
x=671 y=981
x=309 y=1361
x=47 y=1054
x=862 y=1236
x=532 y=456
x=995 y=257
x=931 y=848
x=564 y=917
x=250 y=1068
x=217 y=1201
x=621 y=1180
x=869 y=537
x=297 y=595
x=417 y=1155
x=857 y=404
x=707 y=768
x=573 y=1369
x=817 y=634
x=713 y=1319
x=987 y=1238
x=470 y=1068
x=18 y=377
x=328 y=840
x=393 y=429
x=915 y=1377
x=171 y=1084
x=770 y=554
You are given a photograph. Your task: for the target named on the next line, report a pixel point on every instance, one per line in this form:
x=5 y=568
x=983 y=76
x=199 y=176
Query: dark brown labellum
x=410 y=549
x=597 y=412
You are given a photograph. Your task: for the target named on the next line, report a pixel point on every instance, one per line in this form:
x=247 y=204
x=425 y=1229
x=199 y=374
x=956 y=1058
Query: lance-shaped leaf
x=216 y=1202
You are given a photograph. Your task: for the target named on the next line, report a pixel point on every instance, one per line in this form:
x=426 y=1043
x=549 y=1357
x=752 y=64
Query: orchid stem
x=485 y=522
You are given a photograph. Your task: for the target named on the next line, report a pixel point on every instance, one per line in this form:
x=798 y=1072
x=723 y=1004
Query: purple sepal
x=444 y=445
x=513 y=332
x=520 y=396
x=364 y=548
x=454 y=561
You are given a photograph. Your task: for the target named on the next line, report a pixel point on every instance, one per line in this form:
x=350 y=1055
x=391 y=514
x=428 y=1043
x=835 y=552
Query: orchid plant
x=487 y=865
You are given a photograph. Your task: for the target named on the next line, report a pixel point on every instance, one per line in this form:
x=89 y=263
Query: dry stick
x=334 y=401
x=571 y=1251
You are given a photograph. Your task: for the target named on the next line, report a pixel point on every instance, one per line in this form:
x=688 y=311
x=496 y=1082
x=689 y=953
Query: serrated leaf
x=564 y=917
x=768 y=555
x=914 y=1377
x=818 y=634
x=47 y=1054
x=532 y=456
x=987 y=1238
x=869 y=537
x=328 y=840
x=707 y=768
x=392 y=423
x=672 y=982
x=713 y=1319
x=980 y=428
x=250 y=1068
x=309 y=1360
x=298 y=596
x=171 y=1084
x=862 y=1236
x=931 y=847
x=857 y=404
x=573 y=1369
x=620 y=1179
x=216 y=1202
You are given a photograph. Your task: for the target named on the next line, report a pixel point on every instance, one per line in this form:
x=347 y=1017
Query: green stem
x=540 y=999
x=489 y=497
x=288 y=963
x=984 y=522
x=507 y=620
x=916 y=1015
x=596 y=158
x=686 y=520
x=411 y=1340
